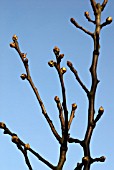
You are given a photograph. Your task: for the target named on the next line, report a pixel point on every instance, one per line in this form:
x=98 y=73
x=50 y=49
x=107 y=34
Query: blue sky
x=41 y=25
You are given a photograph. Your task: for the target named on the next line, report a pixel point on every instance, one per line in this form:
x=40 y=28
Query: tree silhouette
x=65 y=117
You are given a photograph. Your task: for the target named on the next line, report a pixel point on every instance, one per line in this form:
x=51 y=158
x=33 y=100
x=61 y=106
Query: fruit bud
x=102 y=158
x=23 y=76
x=85 y=159
x=61 y=56
x=23 y=55
x=51 y=63
x=15 y=139
x=12 y=45
x=72 y=20
x=74 y=106
x=56 y=99
x=2 y=125
x=26 y=61
x=86 y=13
x=101 y=110
x=109 y=20
x=69 y=64
x=14 y=38
x=27 y=146
x=56 y=50
x=63 y=70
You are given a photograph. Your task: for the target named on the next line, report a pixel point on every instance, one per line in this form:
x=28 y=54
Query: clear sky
x=41 y=25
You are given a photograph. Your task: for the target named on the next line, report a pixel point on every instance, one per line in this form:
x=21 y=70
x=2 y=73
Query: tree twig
x=17 y=140
x=80 y=27
x=28 y=77
x=70 y=65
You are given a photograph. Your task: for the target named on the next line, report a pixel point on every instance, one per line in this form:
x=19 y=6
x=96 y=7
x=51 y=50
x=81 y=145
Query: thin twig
x=70 y=65
x=80 y=27
x=17 y=140
x=28 y=77
x=74 y=107
x=104 y=4
x=93 y=4
x=60 y=108
x=25 y=156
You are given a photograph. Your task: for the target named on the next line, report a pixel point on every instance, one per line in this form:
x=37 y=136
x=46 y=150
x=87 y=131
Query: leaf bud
x=102 y=158
x=109 y=20
x=56 y=50
x=69 y=64
x=85 y=159
x=86 y=13
x=2 y=125
x=27 y=146
x=56 y=99
x=23 y=76
x=74 y=106
x=63 y=70
x=26 y=61
x=12 y=45
x=101 y=110
x=23 y=55
x=72 y=20
x=15 y=139
x=51 y=63
x=61 y=56
x=14 y=38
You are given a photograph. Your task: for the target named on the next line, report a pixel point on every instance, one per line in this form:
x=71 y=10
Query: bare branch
x=60 y=112
x=25 y=156
x=61 y=71
x=93 y=4
x=80 y=27
x=107 y=22
x=104 y=4
x=100 y=113
x=101 y=159
x=72 y=140
x=88 y=17
x=20 y=143
x=74 y=107
x=79 y=166
x=70 y=65
x=28 y=77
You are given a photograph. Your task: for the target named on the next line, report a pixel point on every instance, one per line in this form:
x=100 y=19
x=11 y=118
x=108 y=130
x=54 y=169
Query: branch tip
x=56 y=50
x=57 y=99
x=109 y=20
x=15 y=139
x=14 y=38
x=51 y=63
x=23 y=76
x=27 y=146
x=63 y=70
x=74 y=106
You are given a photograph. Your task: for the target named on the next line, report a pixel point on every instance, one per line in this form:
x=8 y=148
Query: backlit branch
x=61 y=72
x=27 y=76
x=88 y=17
x=74 y=107
x=101 y=159
x=79 y=166
x=93 y=4
x=24 y=151
x=104 y=4
x=100 y=113
x=20 y=144
x=59 y=106
x=97 y=9
x=70 y=65
x=80 y=27
x=107 y=22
